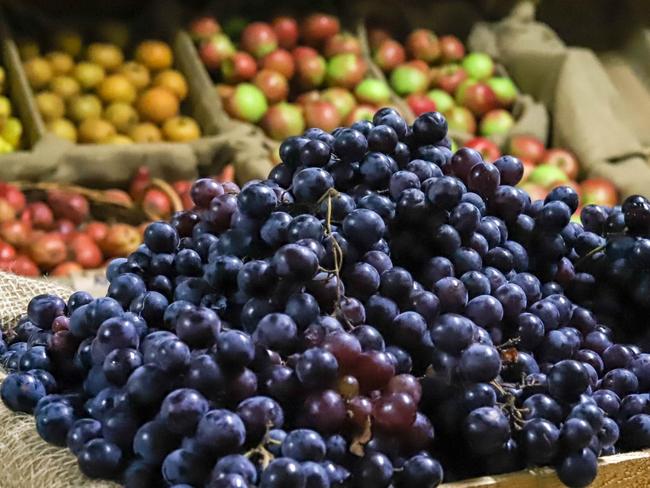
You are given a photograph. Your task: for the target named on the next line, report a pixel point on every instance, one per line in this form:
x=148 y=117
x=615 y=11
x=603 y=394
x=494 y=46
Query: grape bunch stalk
x=378 y=309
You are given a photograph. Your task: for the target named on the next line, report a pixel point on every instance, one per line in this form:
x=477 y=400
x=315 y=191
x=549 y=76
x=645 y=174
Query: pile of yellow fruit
x=11 y=130
x=93 y=95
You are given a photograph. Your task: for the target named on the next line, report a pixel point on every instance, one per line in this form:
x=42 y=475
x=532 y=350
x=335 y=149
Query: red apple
x=423 y=44
x=121 y=240
x=16 y=233
x=322 y=115
x=342 y=43
x=419 y=103
x=85 y=251
x=478 y=97
x=214 y=50
x=421 y=66
x=274 y=86
x=65 y=228
x=281 y=61
x=8 y=213
x=450 y=77
x=360 y=112
x=488 y=149
x=259 y=39
x=140 y=182
x=345 y=70
x=526 y=147
x=48 y=250
x=156 y=204
x=461 y=119
x=66 y=268
x=563 y=159
x=451 y=49
x=96 y=230
x=7 y=251
x=23 y=266
x=341 y=98
x=239 y=67
x=68 y=205
x=376 y=36
x=308 y=97
x=310 y=67
x=496 y=122
x=40 y=215
x=599 y=191
x=319 y=27
x=389 y=55
x=13 y=195
x=204 y=27
x=283 y=120
x=286 y=30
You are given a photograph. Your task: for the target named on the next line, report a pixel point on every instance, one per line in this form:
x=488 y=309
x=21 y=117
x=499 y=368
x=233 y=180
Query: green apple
x=496 y=122
x=407 y=79
x=478 y=65
x=247 y=103
x=341 y=98
x=283 y=120
x=461 y=119
x=461 y=90
x=504 y=88
x=443 y=100
x=345 y=70
x=12 y=131
x=372 y=91
x=547 y=176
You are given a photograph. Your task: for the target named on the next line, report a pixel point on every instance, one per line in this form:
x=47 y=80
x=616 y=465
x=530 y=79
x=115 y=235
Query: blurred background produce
x=11 y=129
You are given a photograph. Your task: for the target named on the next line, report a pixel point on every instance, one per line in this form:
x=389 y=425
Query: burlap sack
x=572 y=83
x=27 y=460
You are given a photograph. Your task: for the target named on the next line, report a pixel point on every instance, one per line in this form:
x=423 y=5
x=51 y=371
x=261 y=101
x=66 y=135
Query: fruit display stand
x=569 y=81
x=102 y=165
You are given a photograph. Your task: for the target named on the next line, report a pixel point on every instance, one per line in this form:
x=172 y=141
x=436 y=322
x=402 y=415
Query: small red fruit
x=121 y=240
x=139 y=183
x=599 y=191
x=281 y=61
x=156 y=204
x=451 y=49
x=310 y=70
x=488 y=149
x=85 y=251
x=528 y=147
x=66 y=228
x=68 y=205
x=23 y=266
x=308 y=97
x=479 y=98
x=274 y=86
x=40 y=215
x=96 y=230
x=563 y=159
x=214 y=50
x=323 y=115
x=239 y=67
x=360 y=112
x=419 y=103
x=317 y=28
x=449 y=77
x=286 y=30
x=423 y=44
x=16 y=232
x=259 y=39
x=7 y=212
x=389 y=55
x=13 y=195
x=66 y=268
x=342 y=43
x=204 y=27
x=7 y=251
x=48 y=250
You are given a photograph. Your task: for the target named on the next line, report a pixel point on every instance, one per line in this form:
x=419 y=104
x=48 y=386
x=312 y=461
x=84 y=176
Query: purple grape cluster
x=378 y=308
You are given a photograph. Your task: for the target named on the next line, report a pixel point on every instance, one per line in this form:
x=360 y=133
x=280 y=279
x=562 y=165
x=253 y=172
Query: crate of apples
x=11 y=129
x=436 y=73
x=95 y=94
x=288 y=74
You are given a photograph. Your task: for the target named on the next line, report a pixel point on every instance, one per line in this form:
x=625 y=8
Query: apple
x=341 y=98
x=420 y=65
x=214 y=50
x=7 y=212
x=39 y=215
x=451 y=49
x=563 y=159
x=241 y=66
x=13 y=195
x=504 y=89
x=342 y=43
x=599 y=191
x=360 y=112
x=423 y=44
x=450 y=77
x=281 y=61
x=85 y=251
x=389 y=55
x=283 y=120
x=461 y=119
x=204 y=27
x=407 y=79
x=286 y=30
x=274 y=86
x=48 y=250
x=323 y=115
x=372 y=90
x=478 y=97
x=156 y=204
x=376 y=36
x=495 y=122
x=488 y=149
x=526 y=147
x=547 y=176
x=121 y=240
x=309 y=96
x=345 y=70
x=535 y=191
x=7 y=251
x=419 y=103
x=181 y=129
x=478 y=65
x=310 y=68
x=319 y=27
x=259 y=39
x=443 y=100
x=68 y=205
x=529 y=166
x=247 y=103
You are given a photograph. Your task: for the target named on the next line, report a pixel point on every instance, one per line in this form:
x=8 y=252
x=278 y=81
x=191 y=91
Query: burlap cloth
x=587 y=114
x=27 y=460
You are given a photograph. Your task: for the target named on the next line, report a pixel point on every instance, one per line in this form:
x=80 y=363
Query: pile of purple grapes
x=377 y=310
